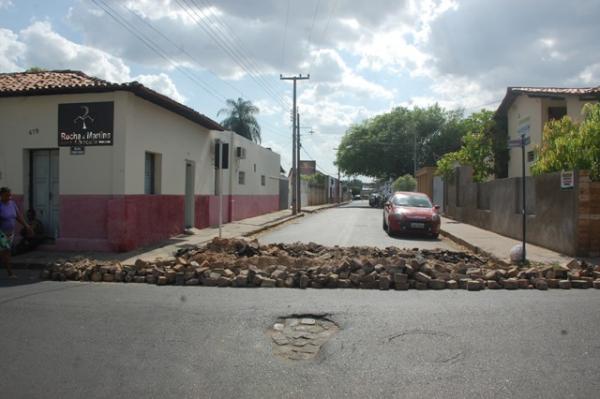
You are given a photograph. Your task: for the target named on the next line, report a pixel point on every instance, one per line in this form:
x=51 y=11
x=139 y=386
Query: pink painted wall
x=126 y=222
x=246 y=206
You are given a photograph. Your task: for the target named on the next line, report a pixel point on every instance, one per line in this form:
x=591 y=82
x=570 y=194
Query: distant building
x=529 y=108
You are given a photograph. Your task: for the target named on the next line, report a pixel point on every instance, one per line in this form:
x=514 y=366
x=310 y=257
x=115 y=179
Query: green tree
x=240 y=118
x=568 y=145
x=383 y=146
x=405 y=183
x=477 y=149
x=35 y=69
x=355 y=186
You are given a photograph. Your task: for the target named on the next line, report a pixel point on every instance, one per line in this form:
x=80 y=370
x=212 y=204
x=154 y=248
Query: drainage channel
x=301 y=336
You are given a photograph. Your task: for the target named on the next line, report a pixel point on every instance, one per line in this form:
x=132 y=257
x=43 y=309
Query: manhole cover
x=300 y=337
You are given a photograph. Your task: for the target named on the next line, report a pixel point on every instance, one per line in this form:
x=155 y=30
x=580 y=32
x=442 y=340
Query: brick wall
x=588 y=216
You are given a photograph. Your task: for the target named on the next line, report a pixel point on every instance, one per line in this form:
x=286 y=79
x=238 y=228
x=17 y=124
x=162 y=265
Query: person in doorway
x=29 y=242
x=9 y=216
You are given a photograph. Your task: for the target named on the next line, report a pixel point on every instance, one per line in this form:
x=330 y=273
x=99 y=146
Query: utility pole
x=415 y=154
x=295 y=202
x=298 y=185
x=339 y=190
x=294 y=163
x=523 y=144
x=220 y=187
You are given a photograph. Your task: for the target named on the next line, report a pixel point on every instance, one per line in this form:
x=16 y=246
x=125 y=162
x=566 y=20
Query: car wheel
x=384 y=225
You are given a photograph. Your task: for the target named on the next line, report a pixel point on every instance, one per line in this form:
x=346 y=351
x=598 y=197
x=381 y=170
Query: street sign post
x=515 y=143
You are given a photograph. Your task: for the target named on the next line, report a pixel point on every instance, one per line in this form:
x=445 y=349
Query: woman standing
x=9 y=215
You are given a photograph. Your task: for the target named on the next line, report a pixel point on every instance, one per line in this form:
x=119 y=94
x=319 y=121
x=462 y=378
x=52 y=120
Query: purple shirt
x=8 y=216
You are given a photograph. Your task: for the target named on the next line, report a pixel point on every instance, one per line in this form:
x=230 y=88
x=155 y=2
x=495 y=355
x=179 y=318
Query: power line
x=241 y=45
x=312 y=25
x=287 y=16
x=154 y=47
x=190 y=56
x=220 y=42
x=333 y=7
x=131 y=28
x=319 y=169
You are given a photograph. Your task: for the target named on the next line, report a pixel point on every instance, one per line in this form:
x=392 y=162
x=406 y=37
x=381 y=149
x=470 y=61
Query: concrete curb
x=272 y=225
x=474 y=248
x=325 y=207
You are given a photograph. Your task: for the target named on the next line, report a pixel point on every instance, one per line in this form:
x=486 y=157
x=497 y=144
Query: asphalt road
x=105 y=340
x=353 y=224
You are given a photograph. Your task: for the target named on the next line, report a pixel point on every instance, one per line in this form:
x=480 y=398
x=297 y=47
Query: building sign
x=307 y=168
x=567 y=179
x=85 y=124
x=524 y=127
x=78 y=150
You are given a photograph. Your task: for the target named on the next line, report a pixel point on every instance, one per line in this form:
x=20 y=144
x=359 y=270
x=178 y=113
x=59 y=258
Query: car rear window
x=417 y=201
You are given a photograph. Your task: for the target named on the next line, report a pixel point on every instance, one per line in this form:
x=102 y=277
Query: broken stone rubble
x=245 y=263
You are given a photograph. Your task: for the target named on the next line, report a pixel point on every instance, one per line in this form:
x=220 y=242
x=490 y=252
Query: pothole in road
x=300 y=337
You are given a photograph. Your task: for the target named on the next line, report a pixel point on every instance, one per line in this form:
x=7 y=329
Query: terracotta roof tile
x=34 y=81
x=64 y=82
x=513 y=92
x=554 y=90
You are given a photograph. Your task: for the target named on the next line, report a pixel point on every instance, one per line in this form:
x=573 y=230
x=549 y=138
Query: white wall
x=31 y=122
x=523 y=107
x=139 y=126
x=151 y=128
x=536 y=110
x=259 y=162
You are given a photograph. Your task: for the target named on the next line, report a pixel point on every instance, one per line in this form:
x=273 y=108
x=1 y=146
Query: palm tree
x=240 y=118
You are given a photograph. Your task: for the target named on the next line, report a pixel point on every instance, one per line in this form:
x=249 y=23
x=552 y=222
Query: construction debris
x=245 y=263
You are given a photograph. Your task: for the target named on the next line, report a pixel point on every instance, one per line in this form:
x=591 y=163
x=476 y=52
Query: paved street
x=353 y=224
x=76 y=340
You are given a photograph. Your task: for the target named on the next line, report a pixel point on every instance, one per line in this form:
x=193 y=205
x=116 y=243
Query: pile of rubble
x=245 y=263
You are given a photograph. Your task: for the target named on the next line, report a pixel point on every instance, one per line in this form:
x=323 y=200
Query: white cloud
x=47 y=49
x=10 y=51
x=39 y=45
x=267 y=107
x=161 y=83
x=5 y=4
x=590 y=75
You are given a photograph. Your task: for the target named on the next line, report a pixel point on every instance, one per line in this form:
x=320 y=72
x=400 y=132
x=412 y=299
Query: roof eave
x=135 y=88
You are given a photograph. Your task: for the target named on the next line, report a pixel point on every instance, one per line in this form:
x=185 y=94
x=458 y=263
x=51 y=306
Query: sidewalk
x=495 y=245
x=166 y=249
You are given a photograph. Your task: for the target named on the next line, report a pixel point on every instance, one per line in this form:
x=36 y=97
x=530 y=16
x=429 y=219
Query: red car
x=407 y=212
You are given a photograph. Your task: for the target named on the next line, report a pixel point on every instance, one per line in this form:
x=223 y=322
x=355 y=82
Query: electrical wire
x=190 y=56
x=287 y=17
x=220 y=42
x=312 y=25
x=334 y=6
x=239 y=43
x=155 y=48
x=311 y=157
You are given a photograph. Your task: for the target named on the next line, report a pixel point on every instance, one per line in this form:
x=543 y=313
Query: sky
x=363 y=57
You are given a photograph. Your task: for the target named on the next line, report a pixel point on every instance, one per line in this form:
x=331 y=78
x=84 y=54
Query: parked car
x=407 y=212
x=356 y=197
x=375 y=200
